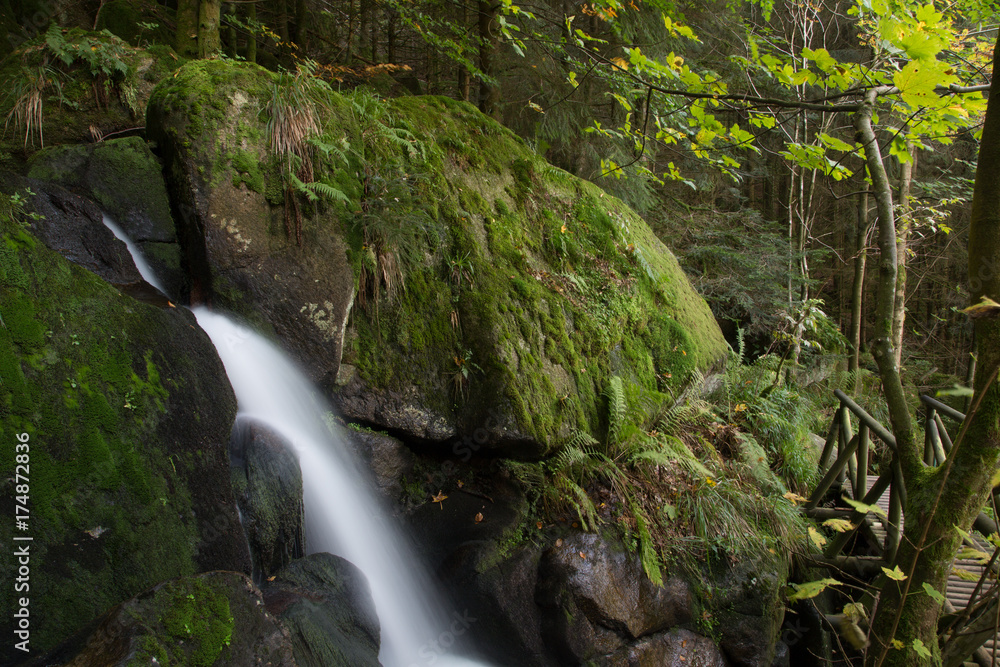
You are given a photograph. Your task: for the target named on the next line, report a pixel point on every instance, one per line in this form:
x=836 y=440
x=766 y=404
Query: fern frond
x=617 y=409
x=577 y=497
x=647 y=548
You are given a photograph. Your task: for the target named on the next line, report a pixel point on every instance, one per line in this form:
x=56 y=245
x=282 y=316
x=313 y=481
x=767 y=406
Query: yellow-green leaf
x=920 y=649
x=964 y=575
x=865 y=509
x=810 y=589
x=816 y=538
x=839 y=525
x=895 y=573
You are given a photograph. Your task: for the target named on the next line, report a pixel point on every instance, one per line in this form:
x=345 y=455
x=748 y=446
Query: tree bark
x=252 y=37
x=858 y=286
x=903 y=225
x=209 y=13
x=186 y=38
x=489 y=93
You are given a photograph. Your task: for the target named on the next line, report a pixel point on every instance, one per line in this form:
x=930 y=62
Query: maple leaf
x=439 y=498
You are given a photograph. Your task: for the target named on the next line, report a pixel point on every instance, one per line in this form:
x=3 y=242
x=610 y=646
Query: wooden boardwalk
x=959 y=589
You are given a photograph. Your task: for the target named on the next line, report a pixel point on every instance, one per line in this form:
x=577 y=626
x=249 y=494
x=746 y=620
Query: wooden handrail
x=882 y=432
x=943 y=408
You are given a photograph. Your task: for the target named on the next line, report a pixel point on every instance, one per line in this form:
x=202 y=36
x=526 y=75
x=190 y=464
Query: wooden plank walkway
x=959 y=590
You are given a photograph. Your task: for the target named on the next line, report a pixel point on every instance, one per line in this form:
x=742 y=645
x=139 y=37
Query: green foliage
x=47 y=67
x=658 y=491
x=778 y=419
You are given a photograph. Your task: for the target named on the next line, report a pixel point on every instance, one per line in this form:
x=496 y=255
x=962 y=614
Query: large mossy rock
x=127 y=411
x=125 y=179
x=522 y=289
x=326 y=604
x=216 y=618
x=267 y=482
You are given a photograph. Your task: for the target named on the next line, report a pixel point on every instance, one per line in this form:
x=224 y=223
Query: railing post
x=861 y=481
x=897 y=502
x=846 y=435
x=831 y=440
x=930 y=432
x=835 y=472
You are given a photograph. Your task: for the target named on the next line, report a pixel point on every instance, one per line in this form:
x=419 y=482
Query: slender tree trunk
x=489 y=93
x=301 y=37
x=186 y=39
x=858 y=286
x=252 y=37
x=230 y=32
x=903 y=224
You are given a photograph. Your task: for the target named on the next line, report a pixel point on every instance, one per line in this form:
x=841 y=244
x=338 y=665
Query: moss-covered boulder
x=125 y=179
x=124 y=410
x=214 y=619
x=494 y=295
x=326 y=604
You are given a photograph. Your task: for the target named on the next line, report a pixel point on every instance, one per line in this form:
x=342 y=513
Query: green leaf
x=920 y=649
x=933 y=593
x=865 y=509
x=816 y=538
x=810 y=589
x=835 y=143
x=895 y=573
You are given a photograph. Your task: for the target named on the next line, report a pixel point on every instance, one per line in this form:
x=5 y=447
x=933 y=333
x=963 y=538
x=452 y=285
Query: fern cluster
x=664 y=482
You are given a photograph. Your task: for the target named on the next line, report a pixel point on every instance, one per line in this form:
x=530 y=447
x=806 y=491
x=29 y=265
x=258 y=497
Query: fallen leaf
x=439 y=498
x=582 y=555
x=794 y=497
x=538 y=525
x=479 y=517
x=460 y=484
x=271 y=578
x=559 y=542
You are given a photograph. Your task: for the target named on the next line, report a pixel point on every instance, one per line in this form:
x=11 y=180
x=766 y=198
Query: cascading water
x=342 y=515
x=140 y=262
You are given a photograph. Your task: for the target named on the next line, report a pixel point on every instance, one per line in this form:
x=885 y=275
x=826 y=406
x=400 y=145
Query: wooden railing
x=852 y=461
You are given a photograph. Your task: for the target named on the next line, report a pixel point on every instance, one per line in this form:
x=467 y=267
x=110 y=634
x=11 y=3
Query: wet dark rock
x=326 y=604
x=73 y=227
x=598 y=599
x=216 y=618
x=125 y=179
x=132 y=408
x=749 y=609
x=388 y=459
x=267 y=483
x=677 y=648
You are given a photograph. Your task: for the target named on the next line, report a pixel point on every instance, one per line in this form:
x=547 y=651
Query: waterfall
x=140 y=262
x=343 y=516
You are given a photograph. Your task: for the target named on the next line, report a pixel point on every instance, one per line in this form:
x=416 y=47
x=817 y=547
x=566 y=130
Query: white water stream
x=342 y=514
x=140 y=262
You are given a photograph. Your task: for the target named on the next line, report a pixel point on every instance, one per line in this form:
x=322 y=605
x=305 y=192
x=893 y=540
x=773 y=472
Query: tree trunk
x=252 y=37
x=489 y=93
x=186 y=38
x=952 y=494
x=858 y=286
x=903 y=225
x=209 y=12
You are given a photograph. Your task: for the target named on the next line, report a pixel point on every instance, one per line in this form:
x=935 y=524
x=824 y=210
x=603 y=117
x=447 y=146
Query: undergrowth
x=679 y=482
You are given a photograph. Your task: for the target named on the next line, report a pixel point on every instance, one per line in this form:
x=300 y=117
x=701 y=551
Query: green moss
x=191 y=624
x=77 y=374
